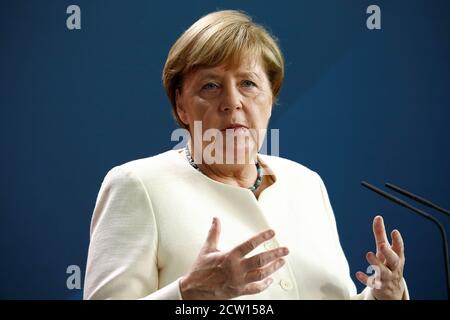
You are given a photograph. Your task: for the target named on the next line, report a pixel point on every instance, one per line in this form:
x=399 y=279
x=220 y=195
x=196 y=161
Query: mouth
x=235 y=127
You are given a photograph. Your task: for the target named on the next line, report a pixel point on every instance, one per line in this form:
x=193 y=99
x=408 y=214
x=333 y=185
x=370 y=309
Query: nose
x=231 y=99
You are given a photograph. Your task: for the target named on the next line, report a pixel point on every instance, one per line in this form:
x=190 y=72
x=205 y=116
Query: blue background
x=356 y=105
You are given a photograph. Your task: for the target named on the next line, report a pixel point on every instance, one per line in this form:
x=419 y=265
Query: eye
x=248 y=83
x=210 y=86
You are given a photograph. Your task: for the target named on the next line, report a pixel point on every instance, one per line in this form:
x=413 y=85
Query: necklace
x=253 y=188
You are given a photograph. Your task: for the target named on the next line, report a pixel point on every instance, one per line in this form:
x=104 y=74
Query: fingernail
x=269 y=234
x=280 y=263
x=269 y=281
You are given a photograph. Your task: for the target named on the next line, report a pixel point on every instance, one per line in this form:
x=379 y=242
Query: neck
x=242 y=175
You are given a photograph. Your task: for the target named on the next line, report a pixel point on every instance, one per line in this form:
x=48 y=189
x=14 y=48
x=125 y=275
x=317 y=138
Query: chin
x=240 y=154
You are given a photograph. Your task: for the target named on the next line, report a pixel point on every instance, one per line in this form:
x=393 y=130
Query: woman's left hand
x=388 y=262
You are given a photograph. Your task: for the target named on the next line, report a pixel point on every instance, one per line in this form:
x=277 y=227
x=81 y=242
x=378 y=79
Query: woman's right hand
x=224 y=275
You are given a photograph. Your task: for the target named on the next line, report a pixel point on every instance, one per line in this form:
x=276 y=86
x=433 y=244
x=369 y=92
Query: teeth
x=235 y=128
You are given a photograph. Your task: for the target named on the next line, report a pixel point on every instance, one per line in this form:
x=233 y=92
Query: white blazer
x=152 y=216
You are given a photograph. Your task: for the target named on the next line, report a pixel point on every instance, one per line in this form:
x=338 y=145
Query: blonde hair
x=221 y=37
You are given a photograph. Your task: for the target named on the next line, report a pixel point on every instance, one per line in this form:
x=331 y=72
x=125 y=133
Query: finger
x=362 y=277
x=262 y=259
x=376 y=263
x=212 y=240
x=262 y=273
x=249 y=245
x=380 y=256
x=379 y=231
x=397 y=243
x=392 y=259
x=257 y=287
x=370 y=281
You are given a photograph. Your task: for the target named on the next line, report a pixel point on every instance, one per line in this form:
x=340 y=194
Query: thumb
x=212 y=240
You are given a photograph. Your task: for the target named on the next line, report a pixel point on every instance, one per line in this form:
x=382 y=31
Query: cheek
x=262 y=109
x=205 y=111
x=198 y=107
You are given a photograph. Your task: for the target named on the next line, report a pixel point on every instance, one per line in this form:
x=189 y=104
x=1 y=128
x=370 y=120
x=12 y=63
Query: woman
x=273 y=233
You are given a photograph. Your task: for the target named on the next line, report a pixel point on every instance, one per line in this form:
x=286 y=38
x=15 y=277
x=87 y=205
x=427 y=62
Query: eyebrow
x=248 y=73
x=214 y=75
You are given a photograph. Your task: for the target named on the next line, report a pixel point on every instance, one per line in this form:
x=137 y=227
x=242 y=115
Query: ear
x=181 y=112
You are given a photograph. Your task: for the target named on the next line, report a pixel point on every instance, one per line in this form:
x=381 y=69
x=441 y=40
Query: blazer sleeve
x=367 y=293
x=122 y=257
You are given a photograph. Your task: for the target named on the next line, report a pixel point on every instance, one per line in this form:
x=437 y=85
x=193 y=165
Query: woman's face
x=234 y=100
